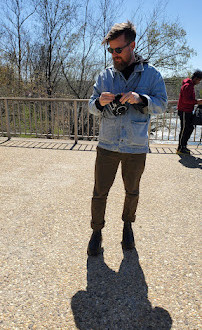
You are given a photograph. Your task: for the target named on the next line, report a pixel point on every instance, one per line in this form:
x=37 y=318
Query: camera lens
x=117 y=107
x=121 y=109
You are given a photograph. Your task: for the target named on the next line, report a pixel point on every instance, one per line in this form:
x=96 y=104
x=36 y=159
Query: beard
x=120 y=64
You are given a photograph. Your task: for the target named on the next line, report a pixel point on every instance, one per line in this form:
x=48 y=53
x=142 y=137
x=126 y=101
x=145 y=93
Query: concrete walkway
x=47 y=281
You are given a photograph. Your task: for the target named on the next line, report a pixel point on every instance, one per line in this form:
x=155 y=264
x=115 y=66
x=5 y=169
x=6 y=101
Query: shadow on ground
x=190 y=161
x=117 y=300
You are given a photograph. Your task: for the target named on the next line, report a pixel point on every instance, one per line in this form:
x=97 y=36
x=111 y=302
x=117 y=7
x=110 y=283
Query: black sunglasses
x=118 y=50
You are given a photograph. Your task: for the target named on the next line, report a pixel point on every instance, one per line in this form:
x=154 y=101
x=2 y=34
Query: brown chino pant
x=106 y=166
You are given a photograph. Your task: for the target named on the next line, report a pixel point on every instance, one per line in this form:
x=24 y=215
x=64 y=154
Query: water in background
x=166 y=129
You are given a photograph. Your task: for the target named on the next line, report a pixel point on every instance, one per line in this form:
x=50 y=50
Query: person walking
x=125 y=95
x=186 y=102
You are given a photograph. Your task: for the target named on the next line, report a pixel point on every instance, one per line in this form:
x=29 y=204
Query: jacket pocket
x=108 y=130
x=138 y=133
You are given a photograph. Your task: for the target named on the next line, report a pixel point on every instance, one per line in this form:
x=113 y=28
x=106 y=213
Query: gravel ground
x=47 y=280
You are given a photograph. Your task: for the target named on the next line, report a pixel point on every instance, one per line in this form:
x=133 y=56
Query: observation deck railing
x=70 y=118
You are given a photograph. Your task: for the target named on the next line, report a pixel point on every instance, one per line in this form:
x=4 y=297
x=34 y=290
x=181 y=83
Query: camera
x=117 y=107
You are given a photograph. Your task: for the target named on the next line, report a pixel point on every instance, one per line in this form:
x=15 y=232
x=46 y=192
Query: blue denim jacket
x=129 y=133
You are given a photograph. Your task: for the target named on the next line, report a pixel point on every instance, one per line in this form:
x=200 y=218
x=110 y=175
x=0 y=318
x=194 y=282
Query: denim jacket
x=128 y=133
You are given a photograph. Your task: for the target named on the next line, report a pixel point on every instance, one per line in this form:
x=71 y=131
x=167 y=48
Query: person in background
x=187 y=100
x=125 y=95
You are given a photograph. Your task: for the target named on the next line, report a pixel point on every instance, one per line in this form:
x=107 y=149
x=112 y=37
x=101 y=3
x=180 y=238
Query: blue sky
x=189 y=15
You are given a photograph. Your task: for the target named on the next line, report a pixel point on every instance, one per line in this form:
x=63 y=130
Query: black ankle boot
x=94 y=245
x=128 y=238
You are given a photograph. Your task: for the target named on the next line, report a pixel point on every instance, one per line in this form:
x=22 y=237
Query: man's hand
x=105 y=98
x=199 y=101
x=131 y=97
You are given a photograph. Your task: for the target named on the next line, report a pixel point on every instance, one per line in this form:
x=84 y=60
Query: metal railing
x=70 y=118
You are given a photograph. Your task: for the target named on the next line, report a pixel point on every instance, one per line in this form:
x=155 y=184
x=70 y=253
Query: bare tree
x=8 y=80
x=89 y=57
x=67 y=47
x=56 y=23
x=161 y=41
x=82 y=65
x=13 y=23
x=108 y=12
x=56 y=19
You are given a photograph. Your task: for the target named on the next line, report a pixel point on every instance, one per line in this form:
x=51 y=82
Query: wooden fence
x=70 y=118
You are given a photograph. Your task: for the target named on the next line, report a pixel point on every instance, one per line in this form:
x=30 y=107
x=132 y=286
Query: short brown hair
x=128 y=29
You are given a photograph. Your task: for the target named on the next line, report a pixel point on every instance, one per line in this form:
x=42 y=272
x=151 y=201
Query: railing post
x=75 y=123
x=7 y=119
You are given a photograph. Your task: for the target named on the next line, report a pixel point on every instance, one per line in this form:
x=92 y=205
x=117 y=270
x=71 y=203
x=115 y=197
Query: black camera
x=117 y=107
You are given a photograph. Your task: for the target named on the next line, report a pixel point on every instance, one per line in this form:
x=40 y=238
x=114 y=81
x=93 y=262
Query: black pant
x=186 y=128
x=106 y=166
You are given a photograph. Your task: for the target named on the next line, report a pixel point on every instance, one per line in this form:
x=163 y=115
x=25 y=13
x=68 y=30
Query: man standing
x=187 y=100
x=125 y=95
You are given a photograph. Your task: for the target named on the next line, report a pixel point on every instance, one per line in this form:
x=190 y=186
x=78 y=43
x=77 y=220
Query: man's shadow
x=190 y=161
x=117 y=300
